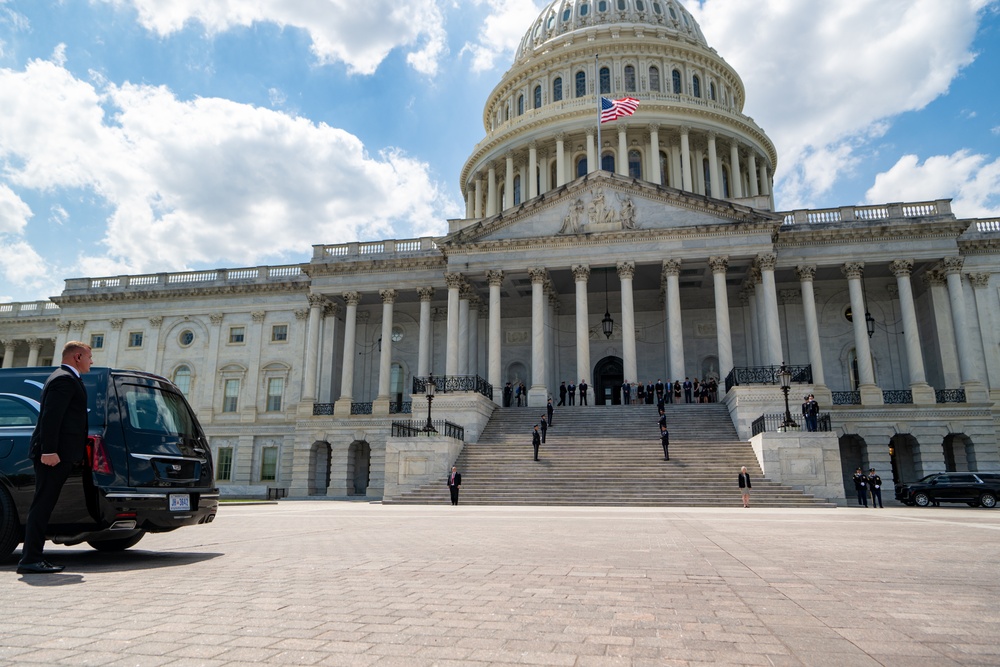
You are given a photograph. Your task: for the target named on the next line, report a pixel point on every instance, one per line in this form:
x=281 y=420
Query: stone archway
x=359 y=462
x=904 y=454
x=320 y=455
x=959 y=453
x=853 y=455
x=609 y=374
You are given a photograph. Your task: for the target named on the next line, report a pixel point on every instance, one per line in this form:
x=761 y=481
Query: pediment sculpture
x=599 y=215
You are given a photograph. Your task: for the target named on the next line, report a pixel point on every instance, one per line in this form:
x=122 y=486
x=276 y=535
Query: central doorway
x=608 y=377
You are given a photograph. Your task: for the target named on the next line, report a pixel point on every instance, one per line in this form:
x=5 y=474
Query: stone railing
x=415 y=429
x=29 y=309
x=775 y=422
x=988 y=226
x=257 y=274
x=766 y=375
x=366 y=249
x=866 y=213
x=452 y=383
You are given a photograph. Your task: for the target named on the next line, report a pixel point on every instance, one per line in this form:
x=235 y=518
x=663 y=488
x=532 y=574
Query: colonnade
x=11 y=346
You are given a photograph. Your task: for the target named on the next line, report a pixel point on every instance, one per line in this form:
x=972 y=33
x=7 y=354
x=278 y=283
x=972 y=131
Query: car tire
x=921 y=499
x=120 y=544
x=988 y=500
x=10 y=529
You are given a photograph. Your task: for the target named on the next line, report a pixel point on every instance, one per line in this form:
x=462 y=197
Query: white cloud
x=821 y=76
x=23 y=267
x=501 y=32
x=14 y=213
x=205 y=181
x=970 y=179
x=359 y=34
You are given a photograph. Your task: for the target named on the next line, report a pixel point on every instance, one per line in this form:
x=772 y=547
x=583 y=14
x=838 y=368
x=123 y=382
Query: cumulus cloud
x=501 y=32
x=14 y=213
x=358 y=34
x=203 y=181
x=822 y=77
x=972 y=180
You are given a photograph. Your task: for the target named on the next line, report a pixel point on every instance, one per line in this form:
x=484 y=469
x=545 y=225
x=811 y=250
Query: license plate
x=180 y=502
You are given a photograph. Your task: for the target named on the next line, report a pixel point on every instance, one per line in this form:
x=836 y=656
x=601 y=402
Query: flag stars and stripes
x=614 y=109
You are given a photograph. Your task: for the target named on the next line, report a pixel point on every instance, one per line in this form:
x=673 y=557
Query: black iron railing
x=897 y=396
x=361 y=408
x=950 y=395
x=767 y=375
x=774 y=422
x=323 y=409
x=847 y=398
x=446 y=383
x=400 y=407
x=415 y=429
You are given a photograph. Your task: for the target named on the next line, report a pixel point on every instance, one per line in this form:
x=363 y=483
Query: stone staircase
x=611 y=455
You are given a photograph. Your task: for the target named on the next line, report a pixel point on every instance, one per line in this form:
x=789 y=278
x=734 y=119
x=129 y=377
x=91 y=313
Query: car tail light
x=97 y=454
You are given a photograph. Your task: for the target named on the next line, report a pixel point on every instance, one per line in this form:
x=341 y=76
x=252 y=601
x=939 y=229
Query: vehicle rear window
x=153 y=410
x=15 y=411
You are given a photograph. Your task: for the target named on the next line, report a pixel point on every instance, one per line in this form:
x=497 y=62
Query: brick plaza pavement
x=334 y=583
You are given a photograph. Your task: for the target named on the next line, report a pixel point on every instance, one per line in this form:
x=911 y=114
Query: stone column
x=10 y=346
x=424 y=337
x=316 y=303
x=759 y=314
x=34 y=346
x=491 y=191
x=713 y=168
x=464 y=294
x=154 y=355
x=495 y=279
x=581 y=274
x=975 y=391
x=923 y=393
x=942 y=321
x=765 y=180
x=479 y=197
x=561 y=159
x=686 y=162
x=735 y=182
x=766 y=262
x=543 y=172
x=671 y=273
x=343 y=404
x=807 y=275
x=699 y=172
x=508 y=189
x=473 y=352
x=532 y=171
x=870 y=393
x=626 y=271
x=676 y=180
x=592 y=161
x=654 y=151
x=621 y=164
x=328 y=343
x=986 y=306
x=385 y=358
x=746 y=299
x=552 y=330
x=752 y=177
x=538 y=392
x=724 y=334
x=455 y=282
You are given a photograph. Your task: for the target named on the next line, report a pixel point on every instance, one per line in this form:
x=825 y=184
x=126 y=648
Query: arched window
x=517 y=190
x=654 y=79
x=696 y=86
x=584 y=9
x=635 y=164
x=602 y=6
x=629 y=79
x=621 y=5
x=605 y=81
x=520 y=105
x=506 y=114
x=538 y=97
x=640 y=6
x=581 y=167
x=677 y=82
x=182 y=378
x=581 y=84
x=557 y=89
x=664 y=169
x=608 y=162
x=711 y=91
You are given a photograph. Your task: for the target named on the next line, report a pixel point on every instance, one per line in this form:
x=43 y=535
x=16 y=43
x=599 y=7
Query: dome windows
x=711 y=91
x=538 y=97
x=567 y=14
x=673 y=14
x=605 y=81
x=584 y=9
x=557 y=89
x=622 y=5
x=677 y=82
x=520 y=105
x=654 y=79
x=696 y=86
x=640 y=6
x=581 y=83
x=635 y=164
x=657 y=9
x=602 y=6
x=551 y=22
x=629 y=79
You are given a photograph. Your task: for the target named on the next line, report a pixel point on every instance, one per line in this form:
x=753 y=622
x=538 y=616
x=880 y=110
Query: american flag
x=614 y=109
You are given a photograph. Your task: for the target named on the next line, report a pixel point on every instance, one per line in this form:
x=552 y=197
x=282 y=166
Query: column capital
x=117 y=322
x=980 y=280
x=475 y=303
x=465 y=292
x=953 y=265
x=79 y=324
x=425 y=293
x=653 y=127
x=626 y=270
x=560 y=137
x=684 y=129
x=901 y=267
x=533 y=145
x=154 y=321
x=214 y=318
x=806 y=272
x=581 y=273
x=766 y=261
x=331 y=308
x=352 y=298
x=36 y=343
x=10 y=343
x=301 y=313
x=671 y=267
x=790 y=296
x=316 y=300
x=719 y=264
x=388 y=295
x=853 y=270
x=258 y=315
x=494 y=277
x=454 y=280
x=538 y=276
x=934 y=278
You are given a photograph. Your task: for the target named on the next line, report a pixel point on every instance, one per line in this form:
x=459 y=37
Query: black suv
x=148 y=465
x=951 y=487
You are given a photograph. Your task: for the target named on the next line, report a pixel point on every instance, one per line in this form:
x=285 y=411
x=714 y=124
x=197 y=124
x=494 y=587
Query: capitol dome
x=689 y=132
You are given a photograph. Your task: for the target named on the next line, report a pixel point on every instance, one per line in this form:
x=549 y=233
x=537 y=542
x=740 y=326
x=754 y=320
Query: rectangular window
x=97 y=341
x=237 y=334
x=230 y=399
x=275 y=388
x=224 y=465
x=279 y=333
x=268 y=464
x=135 y=339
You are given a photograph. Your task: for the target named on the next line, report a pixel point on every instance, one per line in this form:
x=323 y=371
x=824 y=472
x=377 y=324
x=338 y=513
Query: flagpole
x=597 y=88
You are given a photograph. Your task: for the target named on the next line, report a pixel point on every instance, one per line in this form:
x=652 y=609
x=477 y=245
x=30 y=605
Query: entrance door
x=608 y=378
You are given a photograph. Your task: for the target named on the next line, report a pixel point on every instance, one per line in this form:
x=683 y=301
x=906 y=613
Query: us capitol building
x=664 y=221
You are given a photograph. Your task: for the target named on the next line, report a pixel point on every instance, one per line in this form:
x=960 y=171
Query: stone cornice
x=181 y=293
x=798 y=236
x=370 y=266
x=980 y=245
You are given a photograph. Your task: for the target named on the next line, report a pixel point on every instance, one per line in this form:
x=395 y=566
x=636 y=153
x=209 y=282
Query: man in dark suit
x=454 y=481
x=571 y=392
x=536 y=440
x=562 y=393
x=544 y=426
x=583 y=392
x=550 y=410
x=59 y=441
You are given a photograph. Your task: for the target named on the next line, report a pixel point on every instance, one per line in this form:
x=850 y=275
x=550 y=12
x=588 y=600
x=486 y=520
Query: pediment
x=604 y=203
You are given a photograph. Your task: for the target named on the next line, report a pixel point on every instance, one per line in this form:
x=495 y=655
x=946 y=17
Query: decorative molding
x=388 y=295
x=853 y=270
x=301 y=313
x=117 y=322
x=581 y=273
x=538 y=276
x=494 y=277
x=671 y=267
x=766 y=261
x=454 y=280
x=425 y=293
x=806 y=272
x=156 y=321
x=953 y=265
x=719 y=264
x=258 y=315
x=214 y=318
x=352 y=298
x=979 y=279
x=901 y=267
x=626 y=270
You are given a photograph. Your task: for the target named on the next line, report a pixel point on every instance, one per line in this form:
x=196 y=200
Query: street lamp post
x=429 y=390
x=785 y=376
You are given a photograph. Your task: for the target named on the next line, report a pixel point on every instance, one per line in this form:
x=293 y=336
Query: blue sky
x=139 y=136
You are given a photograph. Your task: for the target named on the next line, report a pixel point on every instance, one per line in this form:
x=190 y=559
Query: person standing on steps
x=677 y=391
x=549 y=409
x=812 y=413
x=544 y=426
x=626 y=393
x=571 y=392
x=508 y=392
x=861 y=486
x=454 y=481
x=745 y=486
x=640 y=392
x=687 y=389
x=665 y=439
x=562 y=393
x=875 y=484
x=536 y=440
x=650 y=393
x=659 y=391
x=583 y=392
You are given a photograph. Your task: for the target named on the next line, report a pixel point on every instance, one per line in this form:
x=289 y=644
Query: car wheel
x=10 y=529
x=988 y=500
x=120 y=544
x=921 y=499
